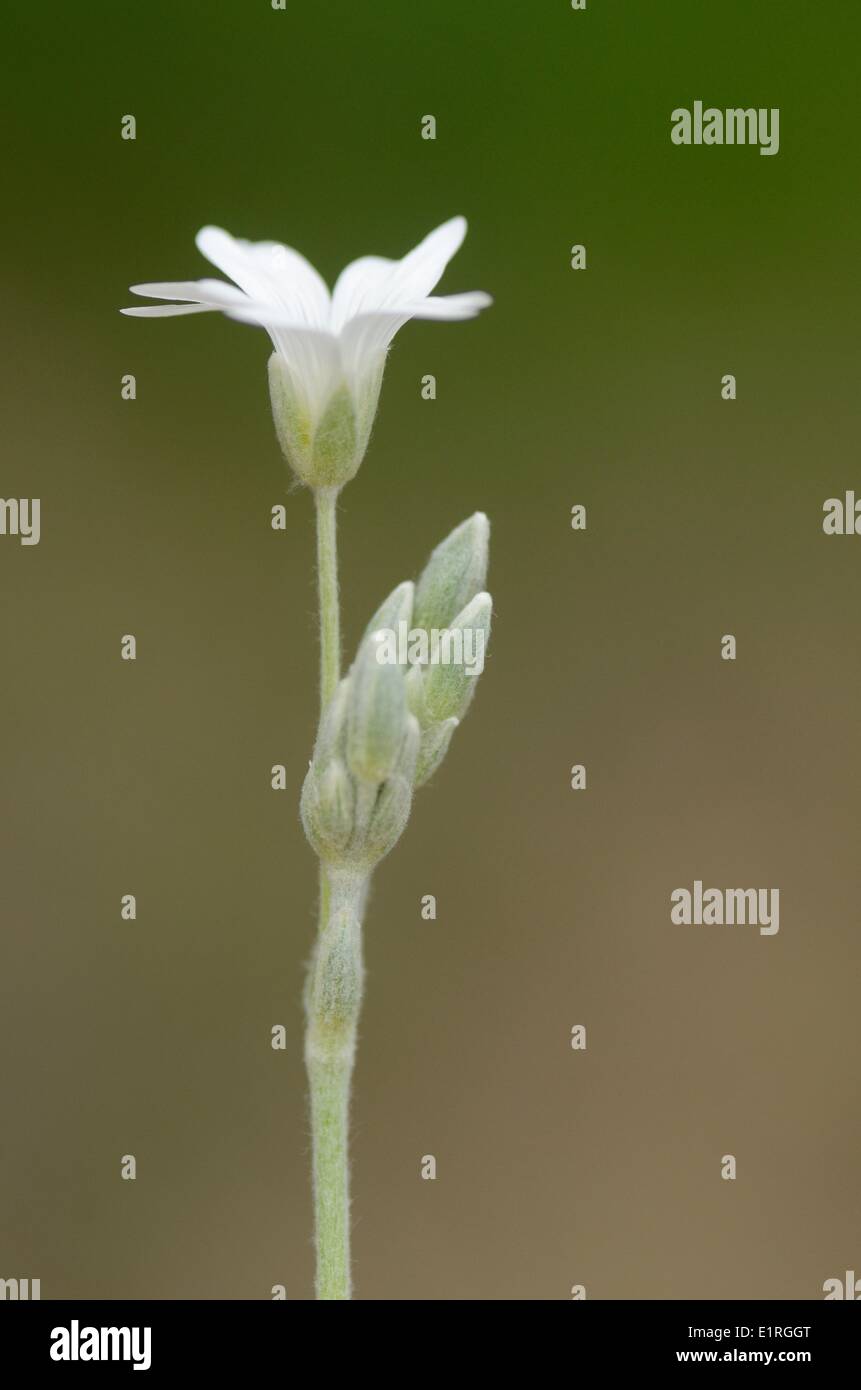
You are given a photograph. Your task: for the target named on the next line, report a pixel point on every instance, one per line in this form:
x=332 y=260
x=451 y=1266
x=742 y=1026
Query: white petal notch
x=329 y=348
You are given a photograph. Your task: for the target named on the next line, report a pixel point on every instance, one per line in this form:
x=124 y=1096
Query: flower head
x=330 y=347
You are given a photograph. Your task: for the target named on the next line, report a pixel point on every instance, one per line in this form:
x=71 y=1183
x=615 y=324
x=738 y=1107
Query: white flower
x=330 y=348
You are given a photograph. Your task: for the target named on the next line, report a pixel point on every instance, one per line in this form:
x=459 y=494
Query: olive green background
x=601 y=387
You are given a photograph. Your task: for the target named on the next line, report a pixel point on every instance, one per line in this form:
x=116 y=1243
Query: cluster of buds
x=390 y=722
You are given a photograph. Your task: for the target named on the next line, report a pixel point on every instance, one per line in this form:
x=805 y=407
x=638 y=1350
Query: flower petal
x=232 y=257
x=314 y=362
x=365 y=341
x=373 y=284
x=360 y=288
x=163 y=311
x=214 y=293
x=450 y=306
x=366 y=337
x=421 y=269
x=312 y=355
x=270 y=274
x=297 y=286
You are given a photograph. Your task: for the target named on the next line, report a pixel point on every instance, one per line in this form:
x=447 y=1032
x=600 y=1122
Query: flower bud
x=392 y=808
x=326 y=808
x=448 y=685
x=455 y=573
x=377 y=713
x=415 y=686
x=331 y=734
x=396 y=609
x=433 y=748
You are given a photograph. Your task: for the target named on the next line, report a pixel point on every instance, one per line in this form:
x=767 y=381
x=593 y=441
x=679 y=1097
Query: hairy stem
x=330 y=1105
x=329 y=1045
x=333 y=1000
x=326 y=499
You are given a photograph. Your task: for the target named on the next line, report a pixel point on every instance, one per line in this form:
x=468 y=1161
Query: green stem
x=333 y=1002
x=329 y=1044
x=326 y=499
x=330 y=1104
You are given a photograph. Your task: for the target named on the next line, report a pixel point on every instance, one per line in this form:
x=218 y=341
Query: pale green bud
x=392 y=809
x=395 y=609
x=436 y=733
x=323 y=445
x=332 y=732
x=449 y=686
x=376 y=715
x=434 y=746
x=415 y=685
x=455 y=573
x=408 y=757
x=327 y=807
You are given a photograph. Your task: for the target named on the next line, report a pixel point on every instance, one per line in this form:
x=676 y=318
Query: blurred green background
x=704 y=517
